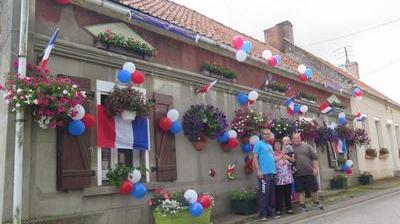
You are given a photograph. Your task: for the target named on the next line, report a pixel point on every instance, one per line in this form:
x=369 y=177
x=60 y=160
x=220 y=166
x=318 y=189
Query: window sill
x=111 y=190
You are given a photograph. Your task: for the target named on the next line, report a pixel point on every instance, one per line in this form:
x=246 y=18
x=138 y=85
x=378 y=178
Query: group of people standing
x=279 y=165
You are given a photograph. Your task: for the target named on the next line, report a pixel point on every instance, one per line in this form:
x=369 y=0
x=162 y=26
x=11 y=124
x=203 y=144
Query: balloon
x=253 y=95
x=205 y=200
x=308 y=73
x=76 y=128
x=247 y=46
x=278 y=59
x=345 y=167
x=129 y=66
x=301 y=69
x=254 y=139
x=63 y=2
x=342 y=120
x=241 y=55
x=224 y=137
x=190 y=196
x=173 y=114
x=126 y=187
x=237 y=42
x=359 y=93
x=296 y=109
x=242 y=98
x=349 y=163
x=139 y=191
x=89 y=120
x=342 y=115
x=304 y=108
x=348 y=171
x=232 y=134
x=290 y=111
x=77 y=112
x=135 y=176
x=165 y=123
x=358 y=97
x=246 y=148
x=251 y=102
x=196 y=209
x=266 y=54
x=176 y=127
x=303 y=77
x=138 y=77
x=272 y=61
x=124 y=76
x=233 y=143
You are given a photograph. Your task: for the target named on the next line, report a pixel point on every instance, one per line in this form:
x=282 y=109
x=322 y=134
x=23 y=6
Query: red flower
x=53 y=124
x=150 y=202
x=167 y=195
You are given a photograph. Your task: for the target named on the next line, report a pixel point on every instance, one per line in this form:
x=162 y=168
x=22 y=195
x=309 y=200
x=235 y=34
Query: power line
x=353 y=33
x=381 y=68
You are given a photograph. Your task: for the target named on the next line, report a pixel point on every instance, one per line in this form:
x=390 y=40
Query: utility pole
x=347 y=56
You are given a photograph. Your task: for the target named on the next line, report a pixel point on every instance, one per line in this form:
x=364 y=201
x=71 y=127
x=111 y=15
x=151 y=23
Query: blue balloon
x=345 y=167
x=242 y=98
x=246 y=148
x=296 y=108
x=342 y=120
x=139 y=190
x=224 y=137
x=76 y=128
x=196 y=209
x=247 y=46
x=176 y=127
x=309 y=73
x=124 y=76
x=278 y=59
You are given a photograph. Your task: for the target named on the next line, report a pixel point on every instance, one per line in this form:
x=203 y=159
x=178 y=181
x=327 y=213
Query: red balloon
x=138 y=77
x=233 y=143
x=237 y=42
x=205 y=200
x=272 y=61
x=359 y=93
x=251 y=102
x=291 y=112
x=303 y=77
x=165 y=123
x=89 y=120
x=212 y=172
x=126 y=187
x=64 y=2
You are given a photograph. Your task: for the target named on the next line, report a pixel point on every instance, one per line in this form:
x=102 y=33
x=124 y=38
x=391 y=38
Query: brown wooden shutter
x=165 y=141
x=73 y=157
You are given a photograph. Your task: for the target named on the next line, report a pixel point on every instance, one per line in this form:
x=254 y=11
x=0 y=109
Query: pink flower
x=60 y=123
x=1 y=86
x=60 y=109
x=15 y=63
x=53 y=124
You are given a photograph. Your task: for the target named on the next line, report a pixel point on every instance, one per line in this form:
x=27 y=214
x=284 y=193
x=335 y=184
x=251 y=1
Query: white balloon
x=349 y=163
x=266 y=54
x=241 y=55
x=232 y=134
x=79 y=112
x=342 y=115
x=129 y=66
x=302 y=69
x=253 y=95
x=173 y=114
x=190 y=196
x=254 y=139
x=304 y=108
x=135 y=176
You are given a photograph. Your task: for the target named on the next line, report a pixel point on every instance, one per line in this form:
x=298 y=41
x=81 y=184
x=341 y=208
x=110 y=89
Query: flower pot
x=277 y=92
x=182 y=217
x=199 y=145
x=244 y=207
x=366 y=179
x=368 y=157
x=123 y=51
x=338 y=184
x=128 y=115
x=307 y=100
x=383 y=156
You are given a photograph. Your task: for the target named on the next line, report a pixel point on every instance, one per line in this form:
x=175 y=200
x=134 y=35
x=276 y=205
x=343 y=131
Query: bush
x=383 y=151
x=243 y=195
x=219 y=70
x=307 y=96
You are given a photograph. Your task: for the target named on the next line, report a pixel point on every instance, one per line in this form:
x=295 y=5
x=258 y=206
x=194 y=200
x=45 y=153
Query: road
x=382 y=210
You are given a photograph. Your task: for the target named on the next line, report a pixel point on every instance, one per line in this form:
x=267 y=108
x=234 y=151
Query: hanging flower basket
x=281 y=127
x=128 y=115
x=248 y=123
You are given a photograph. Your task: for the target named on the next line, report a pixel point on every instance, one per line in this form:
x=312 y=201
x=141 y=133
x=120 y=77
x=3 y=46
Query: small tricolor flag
x=325 y=108
x=289 y=103
x=360 y=116
x=48 y=49
x=207 y=87
x=341 y=146
x=114 y=132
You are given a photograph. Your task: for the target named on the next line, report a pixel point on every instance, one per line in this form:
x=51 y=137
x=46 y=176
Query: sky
x=376 y=48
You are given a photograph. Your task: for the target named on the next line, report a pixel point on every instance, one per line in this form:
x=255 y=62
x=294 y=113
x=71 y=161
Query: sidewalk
x=332 y=200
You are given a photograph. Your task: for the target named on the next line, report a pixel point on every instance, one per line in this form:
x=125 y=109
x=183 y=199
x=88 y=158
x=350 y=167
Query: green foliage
x=339 y=176
x=383 y=151
x=219 y=70
x=337 y=105
x=120 y=173
x=341 y=160
x=307 y=96
x=243 y=195
x=277 y=86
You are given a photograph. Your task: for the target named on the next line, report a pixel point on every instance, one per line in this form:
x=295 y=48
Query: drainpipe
x=19 y=122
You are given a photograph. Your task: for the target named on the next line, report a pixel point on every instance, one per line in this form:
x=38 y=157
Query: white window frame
x=105 y=87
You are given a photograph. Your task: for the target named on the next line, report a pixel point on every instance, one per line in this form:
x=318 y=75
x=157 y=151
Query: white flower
x=65 y=92
x=19 y=90
x=7 y=101
x=15 y=97
x=74 y=86
x=5 y=95
x=36 y=101
x=17 y=105
x=83 y=93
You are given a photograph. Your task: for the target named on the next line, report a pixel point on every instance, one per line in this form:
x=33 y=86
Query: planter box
x=366 y=180
x=182 y=217
x=339 y=184
x=121 y=51
x=244 y=207
x=308 y=101
x=367 y=157
x=220 y=77
x=383 y=156
x=276 y=92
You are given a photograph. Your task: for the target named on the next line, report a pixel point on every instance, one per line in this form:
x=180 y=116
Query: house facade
x=63 y=177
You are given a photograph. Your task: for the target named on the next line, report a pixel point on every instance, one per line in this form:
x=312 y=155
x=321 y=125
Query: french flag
x=341 y=146
x=289 y=103
x=207 y=87
x=325 y=108
x=114 y=132
x=48 y=49
x=361 y=116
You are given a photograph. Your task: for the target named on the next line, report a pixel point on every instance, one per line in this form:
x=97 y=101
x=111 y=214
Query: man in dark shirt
x=307 y=169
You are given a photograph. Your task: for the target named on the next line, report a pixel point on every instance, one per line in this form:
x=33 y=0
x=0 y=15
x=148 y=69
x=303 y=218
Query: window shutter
x=73 y=157
x=165 y=141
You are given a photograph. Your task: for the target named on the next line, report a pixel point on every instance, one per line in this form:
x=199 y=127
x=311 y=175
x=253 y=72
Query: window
x=108 y=158
x=390 y=136
x=378 y=128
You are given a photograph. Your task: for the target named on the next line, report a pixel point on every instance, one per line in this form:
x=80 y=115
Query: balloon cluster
x=342 y=118
x=243 y=48
x=248 y=147
x=197 y=203
x=80 y=120
x=132 y=185
x=129 y=72
x=347 y=167
x=170 y=122
x=357 y=93
x=271 y=60
x=228 y=138
x=360 y=116
x=294 y=108
x=247 y=99
x=305 y=73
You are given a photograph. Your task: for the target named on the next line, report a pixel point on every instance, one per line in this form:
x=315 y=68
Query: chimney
x=276 y=35
x=352 y=68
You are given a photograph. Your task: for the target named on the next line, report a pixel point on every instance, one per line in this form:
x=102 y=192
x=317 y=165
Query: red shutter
x=165 y=141
x=73 y=157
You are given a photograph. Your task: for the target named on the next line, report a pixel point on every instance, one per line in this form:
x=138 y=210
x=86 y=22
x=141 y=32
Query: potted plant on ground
x=248 y=123
x=370 y=153
x=278 y=88
x=339 y=181
x=383 y=153
x=366 y=178
x=243 y=202
x=308 y=97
